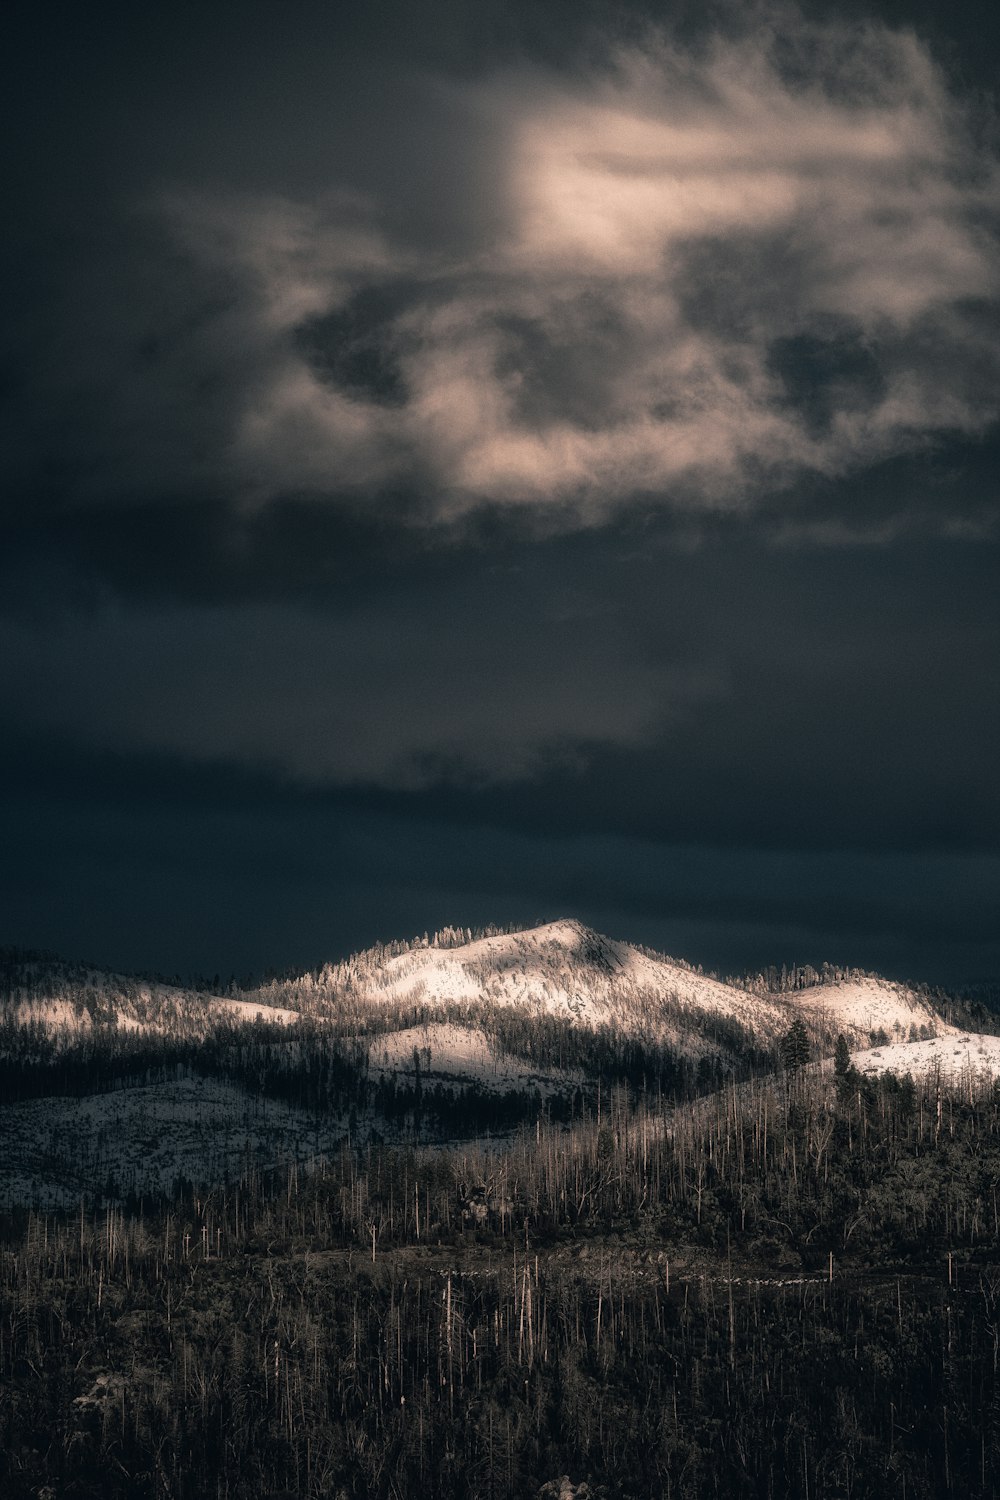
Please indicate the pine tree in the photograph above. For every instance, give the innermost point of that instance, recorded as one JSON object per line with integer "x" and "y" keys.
{"x": 794, "y": 1046}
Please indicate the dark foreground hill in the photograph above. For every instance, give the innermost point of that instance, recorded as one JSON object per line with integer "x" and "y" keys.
{"x": 787, "y": 1289}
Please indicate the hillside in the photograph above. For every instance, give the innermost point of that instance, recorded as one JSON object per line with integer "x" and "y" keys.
{"x": 74, "y": 998}
{"x": 561, "y": 973}
{"x": 566, "y": 971}
{"x": 953, "y": 1055}
{"x": 117, "y": 1084}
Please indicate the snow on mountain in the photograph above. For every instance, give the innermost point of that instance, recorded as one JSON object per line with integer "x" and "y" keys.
{"x": 865, "y": 1005}
{"x": 563, "y": 969}
{"x": 440, "y": 1051}
{"x": 73, "y": 998}
{"x": 560, "y": 970}
{"x": 442, "y": 1034}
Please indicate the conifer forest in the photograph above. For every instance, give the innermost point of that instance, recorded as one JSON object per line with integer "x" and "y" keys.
{"x": 777, "y": 1279}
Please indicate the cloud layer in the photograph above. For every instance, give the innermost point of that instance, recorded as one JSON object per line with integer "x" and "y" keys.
{"x": 804, "y": 697}
{"x": 375, "y": 697}
{"x": 701, "y": 275}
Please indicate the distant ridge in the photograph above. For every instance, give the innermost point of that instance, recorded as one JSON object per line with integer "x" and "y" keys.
{"x": 560, "y": 971}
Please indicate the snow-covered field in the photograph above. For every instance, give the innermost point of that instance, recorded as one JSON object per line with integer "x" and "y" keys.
{"x": 444, "y": 1052}
{"x": 955, "y": 1053}
{"x": 151, "y": 1010}
{"x": 248, "y": 1010}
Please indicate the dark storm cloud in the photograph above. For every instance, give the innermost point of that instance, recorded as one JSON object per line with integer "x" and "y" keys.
{"x": 734, "y": 691}
{"x": 487, "y": 677}
{"x": 185, "y": 872}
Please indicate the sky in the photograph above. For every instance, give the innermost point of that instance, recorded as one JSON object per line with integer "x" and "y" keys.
{"x": 487, "y": 462}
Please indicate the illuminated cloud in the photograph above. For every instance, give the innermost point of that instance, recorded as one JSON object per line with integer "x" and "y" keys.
{"x": 715, "y": 271}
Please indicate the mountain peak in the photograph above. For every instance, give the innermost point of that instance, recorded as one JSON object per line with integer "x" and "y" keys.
{"x": 568, "y": 930}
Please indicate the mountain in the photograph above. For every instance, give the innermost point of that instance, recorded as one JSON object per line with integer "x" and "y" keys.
{"x": 566, "y": 971}
{"x": 74, "y": 998}
{"x": 120, "y": 1085}
{"x": 561, "y": 972}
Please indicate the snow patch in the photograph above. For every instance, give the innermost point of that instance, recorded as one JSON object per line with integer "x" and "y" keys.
{"x": 441, "y": 1050}
{"x": 869, "y": 1004}
{"x": 956, "y": 1054}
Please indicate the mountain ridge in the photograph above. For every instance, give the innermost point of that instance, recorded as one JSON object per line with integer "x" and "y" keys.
{"x": 561, "y": 971}
{"x": 116, "y": 1078}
